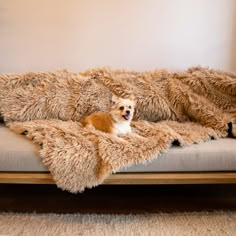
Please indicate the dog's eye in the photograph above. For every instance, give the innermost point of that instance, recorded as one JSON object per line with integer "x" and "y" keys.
{"x": 130, "y": 107}
{"x": 122, "y": 108}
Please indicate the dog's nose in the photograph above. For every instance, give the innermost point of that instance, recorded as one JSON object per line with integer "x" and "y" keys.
{"x": 128, "y": 112}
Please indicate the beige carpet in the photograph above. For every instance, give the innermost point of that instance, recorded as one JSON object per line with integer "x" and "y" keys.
{"x": 203, "y": 223}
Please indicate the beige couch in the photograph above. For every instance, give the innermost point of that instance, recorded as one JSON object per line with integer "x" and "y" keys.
{"x": 210, "y": 162}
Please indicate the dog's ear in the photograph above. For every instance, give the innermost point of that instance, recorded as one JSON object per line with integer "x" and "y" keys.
{"x": 114, "y": 99}
{"x": 132, "y": 98}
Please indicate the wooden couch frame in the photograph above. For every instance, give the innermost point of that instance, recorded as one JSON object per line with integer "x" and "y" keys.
{"x": 129, "y": 178}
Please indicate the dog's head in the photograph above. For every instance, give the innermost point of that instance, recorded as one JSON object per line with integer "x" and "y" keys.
{"x": 122, "y": 109}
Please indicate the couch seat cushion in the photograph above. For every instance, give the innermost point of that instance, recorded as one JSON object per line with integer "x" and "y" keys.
{"x": 19, "y": 154}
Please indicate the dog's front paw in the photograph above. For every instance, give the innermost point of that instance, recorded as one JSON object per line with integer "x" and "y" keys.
{"x": 134, "y": 135}
{"x": 232, "y": 130}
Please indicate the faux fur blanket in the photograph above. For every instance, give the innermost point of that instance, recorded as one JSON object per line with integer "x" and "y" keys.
{"x": 171, "y": 107}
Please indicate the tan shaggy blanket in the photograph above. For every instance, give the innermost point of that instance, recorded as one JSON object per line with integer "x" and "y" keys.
{"x": 189, "y": 107}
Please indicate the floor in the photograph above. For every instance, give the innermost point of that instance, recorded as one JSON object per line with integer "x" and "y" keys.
{"x": 118, "y": 199}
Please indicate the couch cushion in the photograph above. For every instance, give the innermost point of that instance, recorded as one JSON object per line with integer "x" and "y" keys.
{"x": 214, "y": 155}
{"x": 19, "y": 154}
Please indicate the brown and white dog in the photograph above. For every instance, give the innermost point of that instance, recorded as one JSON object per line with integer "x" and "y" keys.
{"x": 116, "y": 121}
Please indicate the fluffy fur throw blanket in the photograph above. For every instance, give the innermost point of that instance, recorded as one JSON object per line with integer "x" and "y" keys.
{"x": 188, "y": 107}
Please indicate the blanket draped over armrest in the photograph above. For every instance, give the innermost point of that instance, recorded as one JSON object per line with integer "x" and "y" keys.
{"x": 185, "y": 107}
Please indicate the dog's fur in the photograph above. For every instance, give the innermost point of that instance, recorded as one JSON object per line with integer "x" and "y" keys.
{"x": 116, "y": 121}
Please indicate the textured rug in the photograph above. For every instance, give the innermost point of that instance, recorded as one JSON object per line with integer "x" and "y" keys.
{"x": 202, "y": 223}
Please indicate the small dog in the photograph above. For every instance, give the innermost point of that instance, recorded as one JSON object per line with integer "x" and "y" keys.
{"x": 116, "y": 121}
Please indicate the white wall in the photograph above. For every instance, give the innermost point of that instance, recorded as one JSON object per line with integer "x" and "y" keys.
{"x": 132, "y": 34}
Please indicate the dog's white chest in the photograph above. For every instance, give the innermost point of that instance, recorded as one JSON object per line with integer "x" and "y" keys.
{"x": 122, "y": 128}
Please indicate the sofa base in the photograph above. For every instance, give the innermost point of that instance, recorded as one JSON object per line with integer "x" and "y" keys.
{"x": 129, "y": 178}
